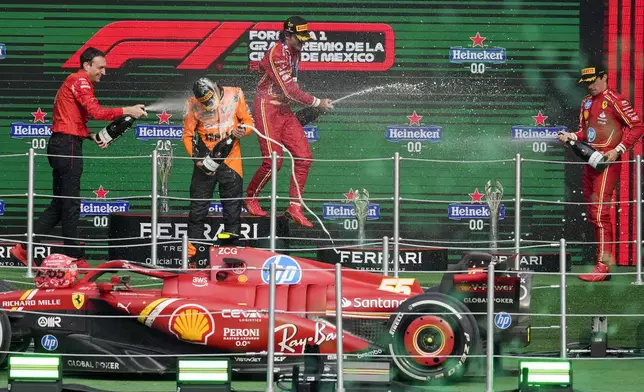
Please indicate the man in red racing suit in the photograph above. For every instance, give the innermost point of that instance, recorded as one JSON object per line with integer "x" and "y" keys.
{"x": 610, "y": 125}
{"x": 74, "y": 104}
{"x": 276, "y": 90}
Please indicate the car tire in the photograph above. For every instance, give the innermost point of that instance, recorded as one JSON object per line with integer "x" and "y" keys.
{"x": 431, "y": 337}
{"x": 5, "y": 338}
{"x": 5, "y": 326}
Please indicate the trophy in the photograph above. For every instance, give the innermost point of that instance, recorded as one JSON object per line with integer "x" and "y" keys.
{"x": 164, "y": 169}
{"x": 361, "y": 201}
{"x": 493, "y": 196}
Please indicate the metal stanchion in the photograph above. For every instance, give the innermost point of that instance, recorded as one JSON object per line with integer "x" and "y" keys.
{"x": 271, "y": 330}
{"x": 517, "y": 212}
{"x": 396, "y": 212}
{"x": 30, "y": 215}
{"x": 184, "y": 251}
{"x": 385, "y": 256}
{"x": 273, "y": 214}
{"x": 154, "y": 217}
{"x": 338, "y": 326}
{"x": 562, "y": 309}
{"x": 490, "y": 329}
{"x": 638, "y": 219}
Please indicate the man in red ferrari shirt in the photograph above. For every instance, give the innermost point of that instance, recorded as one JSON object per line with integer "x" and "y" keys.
{"x": 74, "y": 104}
{"x": 607, "y": 122}
{"x": 276, "y": 91}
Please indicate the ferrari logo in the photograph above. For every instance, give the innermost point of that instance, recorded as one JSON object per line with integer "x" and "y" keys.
{"x": 604, "y": 105}
{"x": 78, "y": 299}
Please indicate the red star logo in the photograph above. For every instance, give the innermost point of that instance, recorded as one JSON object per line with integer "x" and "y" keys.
{"x": 39, "y": 116}
{"x": 350, "y": 196}
{"x": 100, "y": 193}
{"x": 414, "y": 119}
{"x": 540, "y": 119}
{"x": 477, "y": 40}
{"x": 476, "y": 196}
{"x": 164, "y": 118}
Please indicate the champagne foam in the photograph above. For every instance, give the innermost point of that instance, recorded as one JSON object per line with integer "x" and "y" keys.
{"x": 170, "y": 105}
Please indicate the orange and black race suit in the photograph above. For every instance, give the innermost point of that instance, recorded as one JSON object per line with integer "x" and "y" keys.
{"x": 606, "y": 121}
{"x": 202, "y": 130}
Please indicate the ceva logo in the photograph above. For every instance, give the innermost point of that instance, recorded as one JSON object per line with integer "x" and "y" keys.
{"x": 200, "y": 44}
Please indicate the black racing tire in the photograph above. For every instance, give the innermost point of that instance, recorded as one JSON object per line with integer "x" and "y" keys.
{"x": 5, "y": 338}
{"x": 430, "y": 326}
{"x": 5, "y": 326}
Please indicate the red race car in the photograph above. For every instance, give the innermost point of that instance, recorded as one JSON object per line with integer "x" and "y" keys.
{"x": 102, "y": 324}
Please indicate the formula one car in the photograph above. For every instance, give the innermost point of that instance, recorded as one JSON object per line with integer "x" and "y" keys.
{"x": 428, "y": 333}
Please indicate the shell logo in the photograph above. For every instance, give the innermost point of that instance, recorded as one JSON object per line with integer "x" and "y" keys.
{"x": 192, "y": 323}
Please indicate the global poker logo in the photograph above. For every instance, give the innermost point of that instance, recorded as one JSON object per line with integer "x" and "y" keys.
{"x": 102, "y": 208}
{"x": 159, "y": 131}
{"x": 539, "y": 132}
{"x": 336, "y": 210}
{"x": 414, "y": 133}
{"x": 478, "y": 55}
{"x": 473, "y": 210}
{"x": 38, "y": 128}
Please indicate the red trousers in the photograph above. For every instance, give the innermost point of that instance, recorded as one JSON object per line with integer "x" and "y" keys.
{"x": 279, "y": 123}
{"x": 598, "y": 188}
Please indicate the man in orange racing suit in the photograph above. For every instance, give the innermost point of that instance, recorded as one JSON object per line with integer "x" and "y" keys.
{"x": 213, "y": 114}
{"x": 276, "y": 90}
{"x": 610, "y": 125}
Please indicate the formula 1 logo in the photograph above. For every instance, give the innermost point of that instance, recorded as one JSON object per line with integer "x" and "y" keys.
{"x": 199, "y": 45}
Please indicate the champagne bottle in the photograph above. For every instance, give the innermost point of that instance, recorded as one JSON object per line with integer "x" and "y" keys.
{"x": 584, "y": 151}
{"x": 218, "y": 155}
{"x": 307, "y": 115}
{"x": 115, "y": 129}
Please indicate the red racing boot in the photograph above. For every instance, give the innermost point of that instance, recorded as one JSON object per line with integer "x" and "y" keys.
{"x": 253, "y": 207}
{"x": 600, "y": 273}
{"x": 20, "y": 253}
{"x": 294, "y": 211}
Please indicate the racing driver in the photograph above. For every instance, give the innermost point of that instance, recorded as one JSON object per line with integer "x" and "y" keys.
{"x": 212, "y": 115}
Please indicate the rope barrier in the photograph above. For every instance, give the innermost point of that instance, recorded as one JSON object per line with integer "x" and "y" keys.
{"x": 93, "y": 156}
{"x": 566, "y": 162}
{"x": 577, "y": 203}
{"x": 24, "y": 154}
{"x": 91, "y": 198}
{"x": 450, "y": 161}
{"x": 446, "y": 201}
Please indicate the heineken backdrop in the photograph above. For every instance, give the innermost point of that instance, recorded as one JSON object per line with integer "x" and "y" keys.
{"x": 449, "y": 80}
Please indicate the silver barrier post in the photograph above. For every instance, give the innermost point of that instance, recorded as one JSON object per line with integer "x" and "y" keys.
{"x": 338, "y": 326}
{"x": 154, "y": 217}
{"x": 517, "y": 211}
{"x": 271, "y": 330}
{"x": 30, "y": 215}
{"x": 490, "y": 328}
{"x": 184, "y": 251}
{"x": 396, "y": 212}
{"x": 385, "y": 256}
{"x": 273, "y": 216}
{"x": 562, "y": 309}
{"x": 638, "y": 219}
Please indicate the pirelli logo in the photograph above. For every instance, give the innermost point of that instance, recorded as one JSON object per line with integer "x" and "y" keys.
{"x": 588, "y": 71}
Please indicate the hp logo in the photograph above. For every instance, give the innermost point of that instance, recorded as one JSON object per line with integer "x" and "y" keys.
{"x": 49, "y": 342}
{"x": 3, "y": 51}
{"x": 502, "y": 320}
{"x": 287, "y": 270}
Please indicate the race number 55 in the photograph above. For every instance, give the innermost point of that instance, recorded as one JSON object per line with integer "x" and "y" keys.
{"x": 395, "y": 285}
